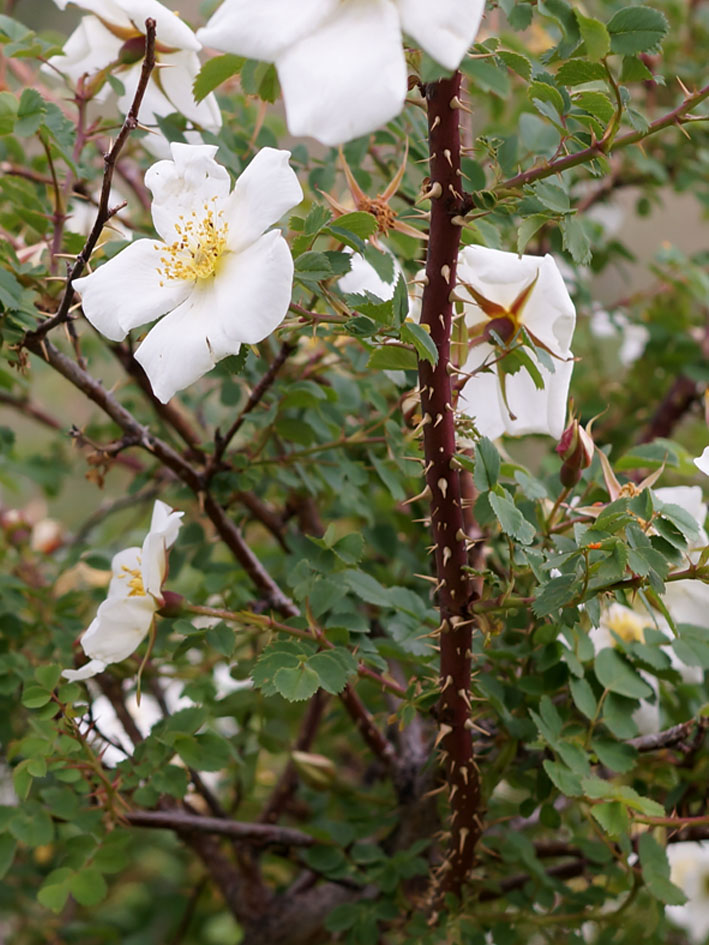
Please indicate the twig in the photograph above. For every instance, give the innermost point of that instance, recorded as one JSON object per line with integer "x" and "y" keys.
{"x": 671, "y": 736}
{"x": 104, "y": 213}
{"x": 222, "y": 442}
{"x": 258, "y": 835}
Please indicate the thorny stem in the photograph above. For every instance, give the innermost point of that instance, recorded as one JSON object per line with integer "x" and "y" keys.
{"x": 104, "y": 212}
{"x": 455, "y": 587}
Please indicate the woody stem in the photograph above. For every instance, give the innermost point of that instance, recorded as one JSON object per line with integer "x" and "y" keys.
{"x": 455, "y": 590}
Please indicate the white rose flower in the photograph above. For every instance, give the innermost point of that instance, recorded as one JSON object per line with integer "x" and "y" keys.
{"x": 702, "y": 462}
{"x": 507, "y": 292}
{"x": 340, "y": 62}
{"x": 113, "y": 38}
{"x": 223, "y": 280}
{"x": 134, "y": 594}
{"x": 689, "y": 869}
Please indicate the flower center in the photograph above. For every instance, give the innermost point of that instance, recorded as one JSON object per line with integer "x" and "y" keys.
{"x": 137, "y": 589}
{"x": 200, "y": 244}
{"x": 381, "y": 211}
{"x": 627, "y": 626}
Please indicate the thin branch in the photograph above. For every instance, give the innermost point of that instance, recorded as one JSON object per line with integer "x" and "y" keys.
{"x": 104, "y": 212}
{"x": 671, "y": 736}
{"x": 258, "y": 835}
{"x": 678, "y": 116}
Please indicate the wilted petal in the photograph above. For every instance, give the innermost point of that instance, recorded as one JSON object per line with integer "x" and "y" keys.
{"x": 129, "y": 290}
{"x": 263, "y": 30}
{"x": 263, "y": 193}
{"x": 184, "y": 184}
{"x": 445, "y": 29}
{"x": 327, "y": 77}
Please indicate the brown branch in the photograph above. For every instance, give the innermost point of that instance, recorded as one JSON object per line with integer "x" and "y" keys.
{"x": 678, "y": 116}
{"x": 670, "y": 736}
{"x": 104, "y": 212}
{"x": 25, "y": 406}
{"x": 257, "y": 835}
{"x": 443, "y": 487}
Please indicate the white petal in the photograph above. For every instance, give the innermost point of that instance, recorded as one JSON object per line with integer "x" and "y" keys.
{"x": 534, "y": 411}
{"x": 92, "y": 668}
{"x": 170, "y": 30}
{"x": 263, "y": 193}
{"x": 549, "y": 312}
{"x": 90, "y": 48}
{"x": 176, "y": 77}
{"x": 265, "y": 29}
{"x": 702, "y": 462}
{"x": 119, "y": 628}
{"x": 109, "y": 10}
{"x": 155, "y": 102}
{"x": 126, "y": 292}
{"x": 363, "y": 277}
{"x": 688, "y": 602}
{"x": 245, "y": 301}
{"x": 165, "y": 522}
{"x": 327, "y": 77}
{"x": 184, "y": 184}
{"x": 125, "y": 566}
{"x": 445, "y": 29}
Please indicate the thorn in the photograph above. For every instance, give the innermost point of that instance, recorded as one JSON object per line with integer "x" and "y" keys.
{"x": 464, "y": 772}
{"x": 463, "y": 834}
{"x": 436, "y": 123}
{"x": 446, "y": 273}
{"x": 442, "y": 732}
{"x": 426, "y": 494}
{"x": 683, "y": 87}
{"x": 433, "y": 792}
{"x": 439, "y": 417}
{"x": 447, "y": 555}
{"x": 434, "y": 192}
{"x": 426, "y": 577}
{"x": 458, "y": 220}
{"x": 442, "y": 484}
{"x": 452, "y": 792}
{"x": 448, "y": 682}
{"x": 460, "y": 535}
{"x": 447, "y": 156}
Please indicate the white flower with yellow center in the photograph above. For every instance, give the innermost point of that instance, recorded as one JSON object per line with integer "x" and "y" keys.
{"x": 505, "y": 293}
{"x": 112, "y": 40}
{"x": 222, "y": 279}
{"x": 134, "y": 594}
{"x": 702, "y": 462}
{"x": 689, "y": 869}
{"x": 340, "y": 62}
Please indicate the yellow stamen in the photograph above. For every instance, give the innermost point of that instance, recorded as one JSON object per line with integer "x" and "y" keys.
{"x": 137, "y": 589}
{"x": 626, "y": 625}
{"x": 200, "y": 244}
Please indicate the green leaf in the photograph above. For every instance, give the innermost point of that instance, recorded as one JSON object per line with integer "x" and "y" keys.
{"x": 594, "y": 35}
{"x": 222, "y": 638}
{"x": 205, "y": 752}
{"x": 412, "y": 333}
{"x": 7, "y": 853}
{"x": 527, "y": 228}
{"x": 517, "y": 63}
{"x": 636, "y": 29}
{"x": 487, "y": 464}
{"x": 562, "y": 779}
{"x": 334, "y": 668}
{"x": 34, "y": 697}
{"x": 54, "y": 892}
{"x": 613, "y": 817}
{"x": 367, "y": 588}
{"x": 576, "y": 240}
{"x": 8, "y": 112}
{"x": 511, "y": 520}
{"x": 313, "y": 267}
{"x": 555, "y": 594}
{"x": 614, "y": 755}
{"x": 615, "y": 674}
{"x": 596, "y": 103}
{"x": 580, "y": 71}
{"x": 297, "y": 683}
{"x": 88, "y": 886}
{"x": 393, "y": 358}
{"x": 48, "y": 676}
{"x": 362, "y": 224}
{"x": 30, "y": 112}
{"x": 618, "y": 716}
{"x": 692, "y": 645}
{"x": 583, "y": 697}
{"x": 596, "y": 788}
{"x": 542, "y": 92}
{"x": 656, "y": 871}
{"x": 487, "y": 76}
{"x": 552, "y": 196}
